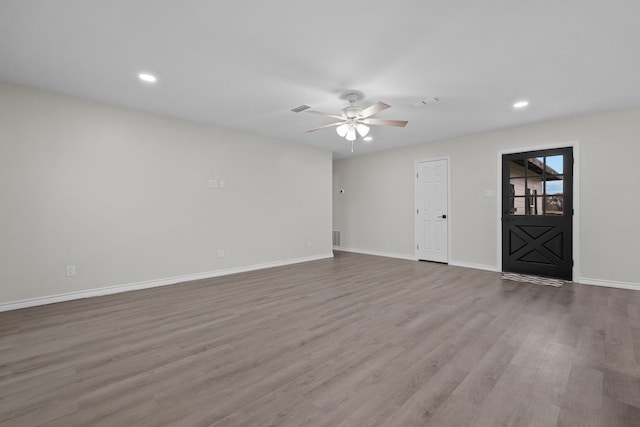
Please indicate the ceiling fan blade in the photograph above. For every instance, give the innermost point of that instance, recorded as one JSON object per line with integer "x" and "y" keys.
{"x": 399, "y": 123}
{"x": 371, "y": 110}
{"x": 325, "y": 126}
{"x": 324, "y": 114}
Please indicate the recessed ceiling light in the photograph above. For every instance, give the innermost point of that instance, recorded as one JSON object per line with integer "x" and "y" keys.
{"x": 367, "y": 138}
{"x": 520, "y": 104}
{"x": 148, "y": 78}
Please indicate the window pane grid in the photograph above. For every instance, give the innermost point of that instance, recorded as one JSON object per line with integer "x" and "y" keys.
{"x": 536, "y": 186}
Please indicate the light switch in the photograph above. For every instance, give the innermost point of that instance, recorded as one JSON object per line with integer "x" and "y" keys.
{"x": 71, "y": 270}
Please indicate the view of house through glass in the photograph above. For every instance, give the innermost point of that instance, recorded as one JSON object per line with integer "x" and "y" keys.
{"x": 536, "y": 186}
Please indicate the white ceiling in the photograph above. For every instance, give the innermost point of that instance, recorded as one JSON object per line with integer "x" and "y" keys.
{"x": 246, "y": 64}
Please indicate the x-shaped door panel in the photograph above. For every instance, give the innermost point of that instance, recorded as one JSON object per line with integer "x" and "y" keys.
{"x": 536, "y": 244}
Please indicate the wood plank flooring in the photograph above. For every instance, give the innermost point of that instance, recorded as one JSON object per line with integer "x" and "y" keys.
{"x": 352, "y": 341}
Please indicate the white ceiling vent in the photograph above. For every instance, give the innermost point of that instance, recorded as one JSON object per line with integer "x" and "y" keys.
{"x": 425, "y": 101}
{"x": 300, "y": 108}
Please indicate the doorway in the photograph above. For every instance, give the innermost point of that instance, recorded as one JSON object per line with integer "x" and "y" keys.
{"x": 537, "y": 213}
{"x": 432, "y": 208}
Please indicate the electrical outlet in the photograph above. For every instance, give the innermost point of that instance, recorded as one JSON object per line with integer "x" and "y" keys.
{"x": 71, "y": 270}
{"x": 220, "y": 253}
{"x": 309, "y": 244}
{"x": 222, "y": 183}
{"x": 213, "y": 183}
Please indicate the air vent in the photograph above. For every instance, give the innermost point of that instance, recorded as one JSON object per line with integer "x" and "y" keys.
{"x": 425, "y": 101}
{"x": 300, "y": 108}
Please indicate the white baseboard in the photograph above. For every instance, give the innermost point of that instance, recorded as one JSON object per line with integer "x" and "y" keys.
{"x": 414, "y": 258}
{"x": 493, "y": 268}
{"x": 15, "y": 305}
{"x": 376, "y": 253}
{"x": 609, "y": 283}
{"x": 474, "y": 266}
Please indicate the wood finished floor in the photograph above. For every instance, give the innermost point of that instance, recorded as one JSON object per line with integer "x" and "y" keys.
{"x": 353, "y": 341}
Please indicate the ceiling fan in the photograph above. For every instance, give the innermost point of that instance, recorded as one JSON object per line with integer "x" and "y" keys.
{"x": 356, "y": 120}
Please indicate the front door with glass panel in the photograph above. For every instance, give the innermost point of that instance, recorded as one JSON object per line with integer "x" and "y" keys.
{"x": 537, "y": 213}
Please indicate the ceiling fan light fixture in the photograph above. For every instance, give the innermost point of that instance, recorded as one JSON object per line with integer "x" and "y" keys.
{"x": 351, "y": 134}
{"x": 354, "y": 121}
{"x": 342, "y": 130}
{"x": 363, "y": 130}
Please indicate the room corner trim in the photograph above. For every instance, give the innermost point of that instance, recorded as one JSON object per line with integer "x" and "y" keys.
{"x": 51, "y": 299}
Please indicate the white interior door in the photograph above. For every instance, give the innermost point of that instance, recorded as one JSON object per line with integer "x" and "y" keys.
{"x": 432, "y": 192}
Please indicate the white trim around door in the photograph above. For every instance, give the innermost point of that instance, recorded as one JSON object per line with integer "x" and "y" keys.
{"x": 449, "y": 216}
{"x": 576, "y": 199}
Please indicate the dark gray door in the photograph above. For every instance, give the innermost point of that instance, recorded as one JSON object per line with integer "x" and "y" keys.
{"x": 537, "y": 213}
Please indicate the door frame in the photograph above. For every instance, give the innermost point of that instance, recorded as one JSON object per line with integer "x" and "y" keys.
{"x": 575, "y": 145}
{"x": 416, "y": 203}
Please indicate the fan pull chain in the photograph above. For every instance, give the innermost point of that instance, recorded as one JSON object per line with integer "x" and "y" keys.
{"x": 352, "y": 146}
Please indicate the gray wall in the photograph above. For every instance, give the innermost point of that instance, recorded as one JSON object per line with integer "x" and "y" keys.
{"x": 124, "y": 196}
{"x": 376, "y": 213}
